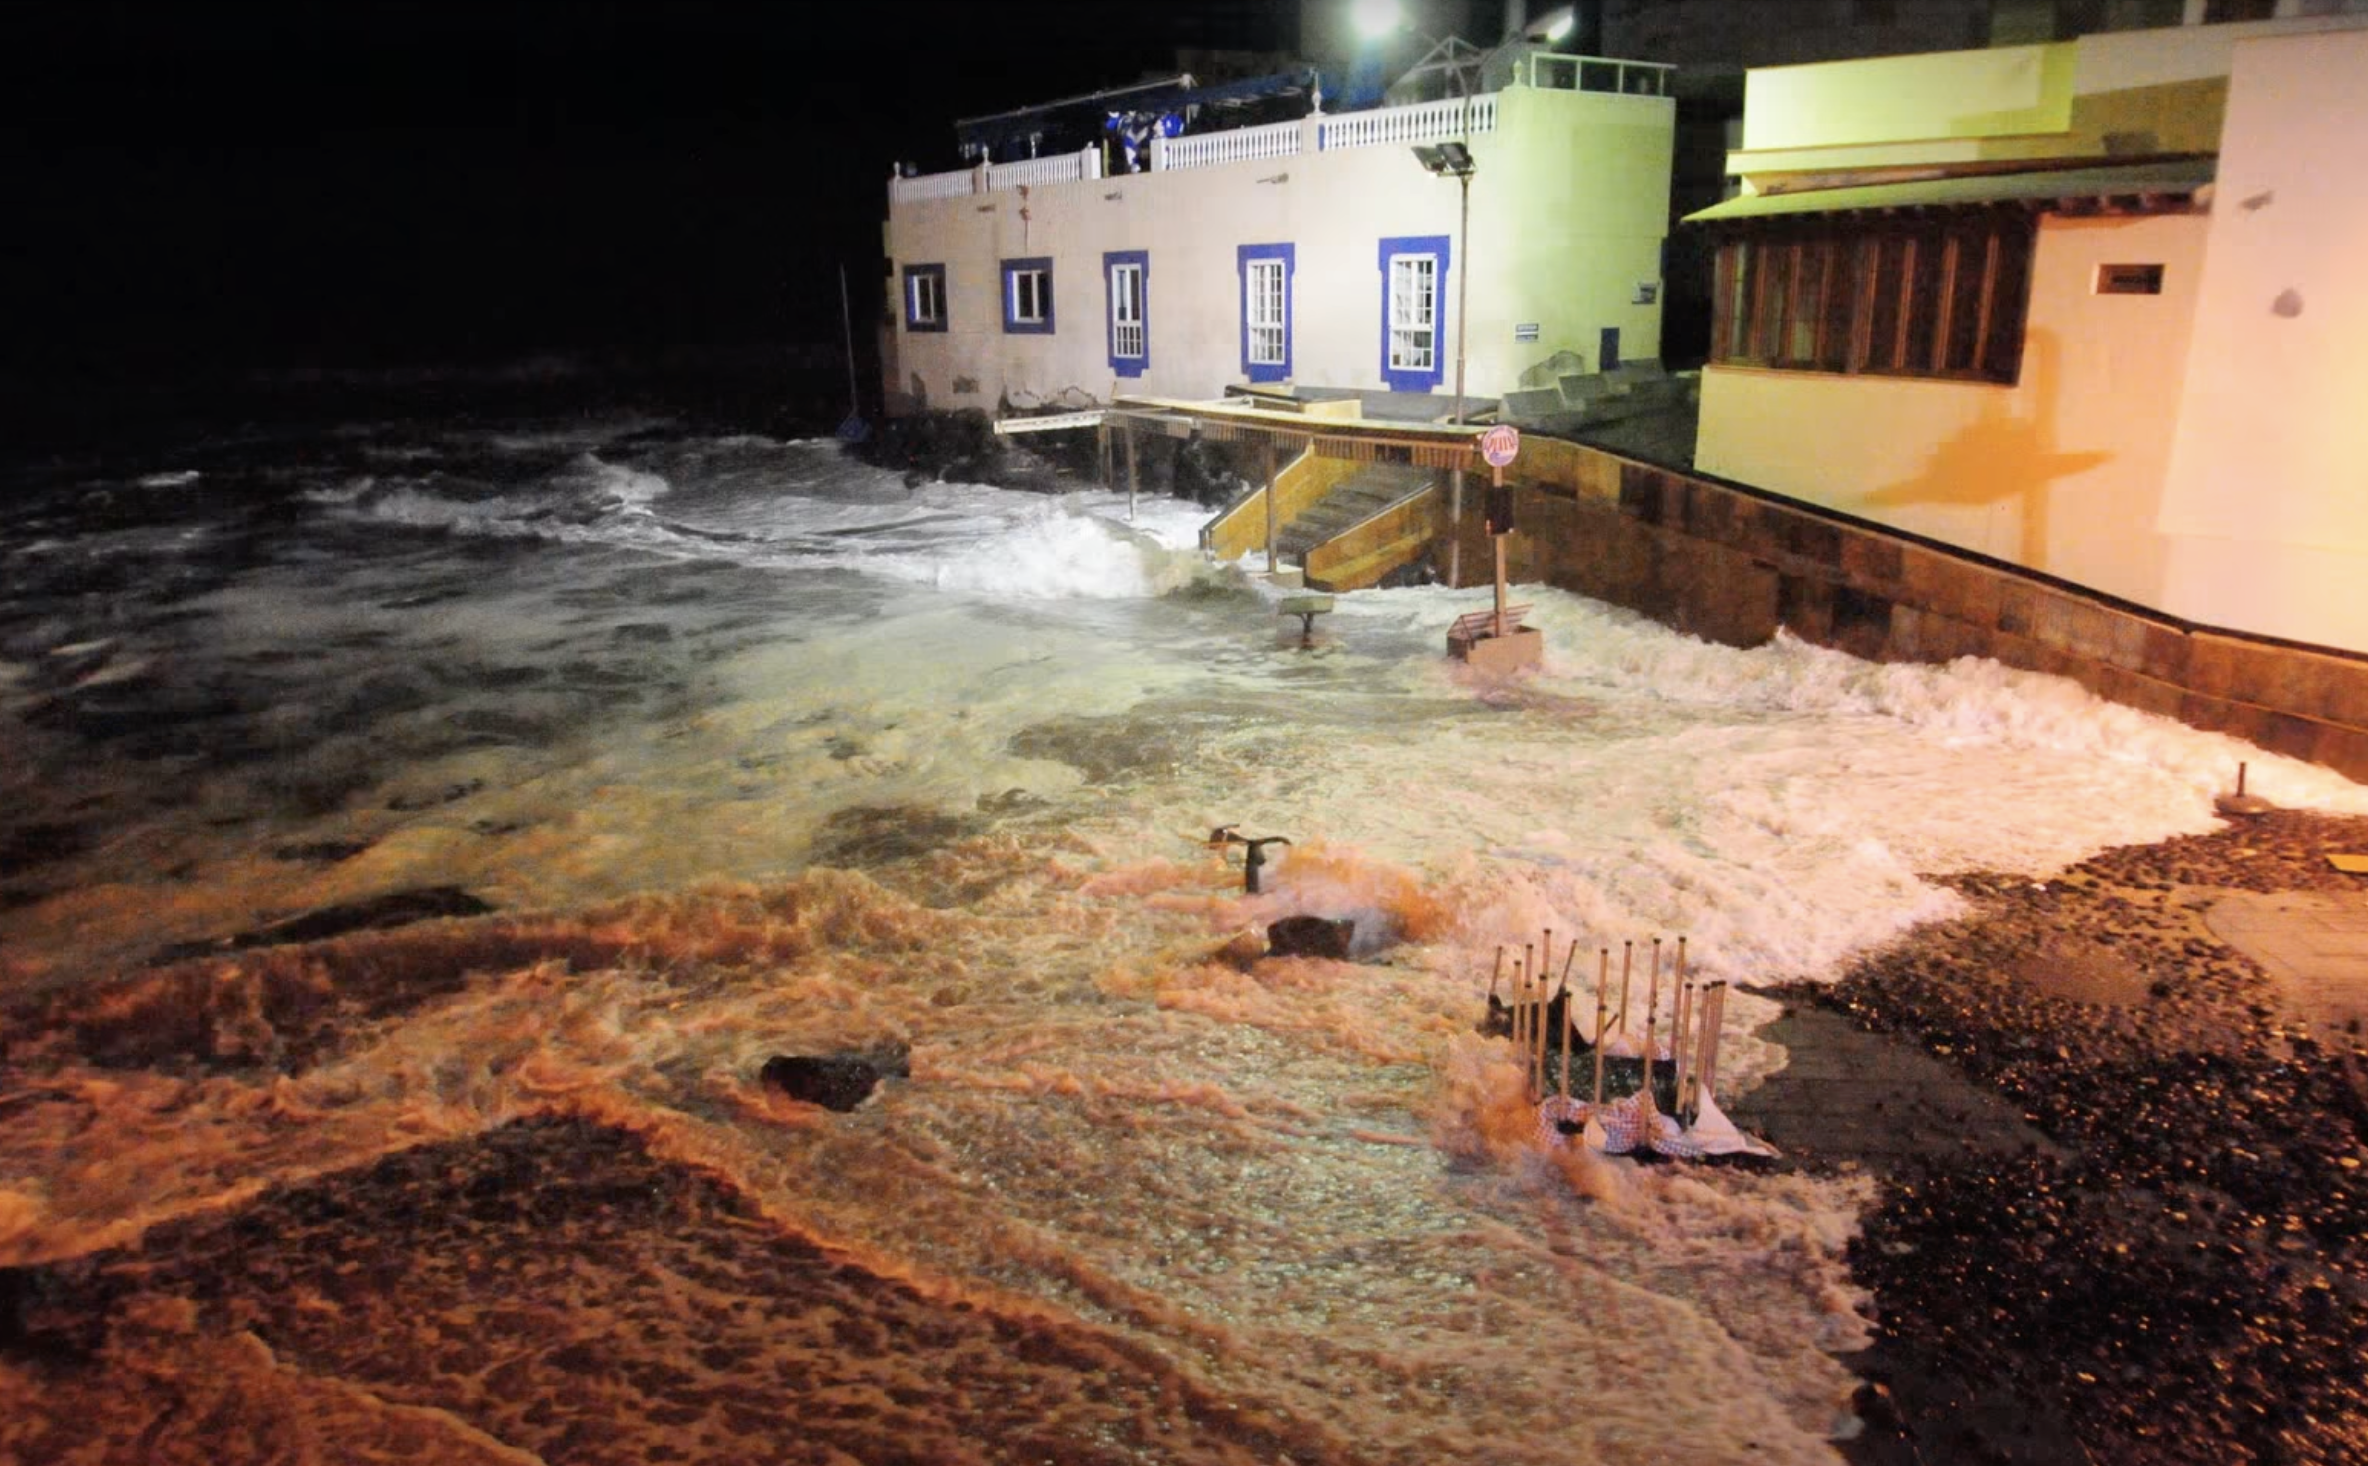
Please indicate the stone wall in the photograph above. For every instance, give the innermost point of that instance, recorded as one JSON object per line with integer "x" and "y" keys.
{"x": 1732, "y": 564}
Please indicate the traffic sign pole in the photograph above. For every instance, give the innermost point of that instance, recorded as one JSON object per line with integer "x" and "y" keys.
{"x": 1499, "y": 445}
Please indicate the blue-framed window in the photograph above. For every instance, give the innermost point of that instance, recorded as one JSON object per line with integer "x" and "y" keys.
{"x": 1027, "y": 296}
{"x": 1413, "y": 312}
{"x": 924, "y": 297}
{"x": 1266, "y": 271}
{"x": 1126, "y": 283}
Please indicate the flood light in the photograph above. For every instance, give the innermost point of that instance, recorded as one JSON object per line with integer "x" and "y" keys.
{"x": 1448, "y": 159}
{"x": 1375, "y": 19}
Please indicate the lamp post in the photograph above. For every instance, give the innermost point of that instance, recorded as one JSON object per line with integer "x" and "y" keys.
{"x": 1445, "y": 160}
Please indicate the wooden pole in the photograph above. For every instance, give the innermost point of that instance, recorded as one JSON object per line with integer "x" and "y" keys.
{"x": 1496, "y": 480}
{"x": 1134, "y": 478}
{"x": 1706, "y": 1077}
{"x": 1570, "y": 1030}
{"x": 1603, "y": 977}
{"x": 1536, "y": 1057}
{"x": 1514, "y": 993}
{"x": 1677, "y": 1027}
{"x": 1455, "y": 529}
{"x": 1270, "y": 503}
{"x": 1627, "y": 957}
{"x": 1652, "y": 1007}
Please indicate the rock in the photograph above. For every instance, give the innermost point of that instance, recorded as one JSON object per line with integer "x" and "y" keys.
{"x": 1310, "y": 936}
{"x": 376, "y": 913}
{"x": 835, "y": 1081}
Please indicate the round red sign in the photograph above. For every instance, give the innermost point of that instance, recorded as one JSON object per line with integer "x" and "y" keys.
{"x": 1500, "y": 444}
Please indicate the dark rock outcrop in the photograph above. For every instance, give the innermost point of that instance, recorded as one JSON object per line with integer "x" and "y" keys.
{"x": 835, "y": 1081}
{"x": 1310, "y": 936}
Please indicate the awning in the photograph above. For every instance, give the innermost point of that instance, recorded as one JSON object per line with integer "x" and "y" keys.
{"x": 2129, "y": 187}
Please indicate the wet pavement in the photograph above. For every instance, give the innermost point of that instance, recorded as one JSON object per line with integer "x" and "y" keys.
{"x": 2119, "y": 1122}
{"x": 2312, "y": 944}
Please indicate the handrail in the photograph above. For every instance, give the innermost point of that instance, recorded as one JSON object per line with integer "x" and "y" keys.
{"x": 934, "y": 186}
{"x": 1421, "y": 123}
{"x": 1241, "y": 144}
{"x": 1059, "y": 168}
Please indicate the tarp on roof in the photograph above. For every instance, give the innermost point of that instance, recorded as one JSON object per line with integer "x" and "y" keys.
{"x": 2178, "y": 179}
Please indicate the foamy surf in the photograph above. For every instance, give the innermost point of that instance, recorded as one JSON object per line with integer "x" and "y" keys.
{"x": 758, "y": 750}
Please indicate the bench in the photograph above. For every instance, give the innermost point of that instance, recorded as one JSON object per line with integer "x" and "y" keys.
{"x": 1475, "y": 626}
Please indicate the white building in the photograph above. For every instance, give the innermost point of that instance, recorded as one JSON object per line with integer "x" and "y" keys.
{"x": 2091, "y": 307}
{"x": 1316, "y": 252}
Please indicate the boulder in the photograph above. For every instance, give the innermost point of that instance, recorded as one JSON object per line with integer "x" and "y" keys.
{"x": 1310, "y": 936}
{"x": 835, "y": 1081}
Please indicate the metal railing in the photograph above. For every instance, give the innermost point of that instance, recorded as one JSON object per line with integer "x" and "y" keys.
{"x": 1550, "y": 73}
{"x": 1421, "y": 123}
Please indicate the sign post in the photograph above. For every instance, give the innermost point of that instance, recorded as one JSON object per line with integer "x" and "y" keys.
{"x": 1495, "y": 641}
{"x": 1500, "y": 445}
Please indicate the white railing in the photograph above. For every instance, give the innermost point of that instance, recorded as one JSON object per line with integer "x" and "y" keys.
{"x": 1550, "y": 73}
{"x": 934, "y": 186}
{"x": 1421, "y": 123}
{"x": 1074, "y": 167}
{"x": 1243, "y": 144}
{"x": 1424, "y": 122}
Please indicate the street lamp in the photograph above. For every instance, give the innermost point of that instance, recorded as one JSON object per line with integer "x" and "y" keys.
{"x": 1454, "y": 160}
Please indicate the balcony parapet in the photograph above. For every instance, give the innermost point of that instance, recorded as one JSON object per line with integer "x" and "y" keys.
{"x": 1422, "y": 122}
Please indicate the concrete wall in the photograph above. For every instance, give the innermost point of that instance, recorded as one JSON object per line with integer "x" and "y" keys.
{"x": 2202, "y": 452}
{"x": 2115, "y": 94}
{"x": 2267, "y": 505}
{"x": 1569, "y": 207}
{"x": 2062, "y": 472}
{"x": 1732, "y": 565}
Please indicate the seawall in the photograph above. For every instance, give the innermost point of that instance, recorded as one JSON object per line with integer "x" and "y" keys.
{"x": 1733, "y": 564}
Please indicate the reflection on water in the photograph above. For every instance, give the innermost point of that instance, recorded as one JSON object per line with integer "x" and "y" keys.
{"x": 753, "y": 751}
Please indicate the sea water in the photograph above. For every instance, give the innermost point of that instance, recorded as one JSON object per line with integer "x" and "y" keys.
{"x": 754, "y": 749}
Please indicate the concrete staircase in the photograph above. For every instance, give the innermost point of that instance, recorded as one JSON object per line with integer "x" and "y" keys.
{"x": 1368, "y": 492}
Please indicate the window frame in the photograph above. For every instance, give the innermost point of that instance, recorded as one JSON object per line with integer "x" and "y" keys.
{"x": 1251, "y": 261}
{"x": 1012, "y": 272}
{"x": 916, "y": 277}
{"x": 1137, "y": 362}
{"x": 1409, "y": 249}
{"x": 1940, "y": 297}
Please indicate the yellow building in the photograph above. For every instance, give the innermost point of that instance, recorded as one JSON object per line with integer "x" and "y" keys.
{"x": 2092, "y": 307}
{"x": 1313, "y": 252}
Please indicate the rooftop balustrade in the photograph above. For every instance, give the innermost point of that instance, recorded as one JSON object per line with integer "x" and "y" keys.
{"x": 1422, "y": 122}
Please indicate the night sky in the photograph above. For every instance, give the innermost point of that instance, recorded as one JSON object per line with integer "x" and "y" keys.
{"x": 357, "y": 183}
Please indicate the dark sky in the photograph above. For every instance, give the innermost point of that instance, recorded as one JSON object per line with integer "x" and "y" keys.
{"x": 357, "y": 181}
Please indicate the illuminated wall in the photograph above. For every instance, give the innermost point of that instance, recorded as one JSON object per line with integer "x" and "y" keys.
{"x": 2061, "y": 472}
{"x": 2197, "y": 451}
{"x": 2267, "y": 507}
{"x": 1569, "y": 208}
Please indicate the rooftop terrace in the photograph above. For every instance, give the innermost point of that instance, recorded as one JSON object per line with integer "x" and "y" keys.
{"x": 1422, "y": 122}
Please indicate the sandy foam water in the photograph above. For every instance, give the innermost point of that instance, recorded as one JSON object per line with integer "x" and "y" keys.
{"x": 763, "y": 750}
{"x": 1247, "y": 1187}
{"x": 797, "y": 505}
